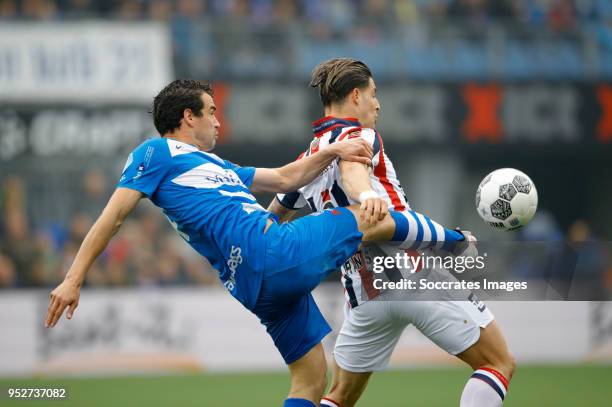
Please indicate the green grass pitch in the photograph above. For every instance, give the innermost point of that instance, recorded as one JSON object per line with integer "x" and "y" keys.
{"x": 541, "y": 386}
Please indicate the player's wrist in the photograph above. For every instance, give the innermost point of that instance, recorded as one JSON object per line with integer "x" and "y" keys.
{"x": 74, "y": 280}
{"x": 333, "y": 150}
{"x": 365, "y": 195}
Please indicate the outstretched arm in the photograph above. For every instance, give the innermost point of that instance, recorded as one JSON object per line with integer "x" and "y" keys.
{"x": 121, "y": 203}
{"x": 301, "y": 172}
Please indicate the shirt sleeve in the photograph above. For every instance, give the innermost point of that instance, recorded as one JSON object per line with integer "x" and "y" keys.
{"x": 245, "y": 174}
{"x": 144, "y": 169}
{"x": 293, "y": 200}
{"x": 369, "y": 135}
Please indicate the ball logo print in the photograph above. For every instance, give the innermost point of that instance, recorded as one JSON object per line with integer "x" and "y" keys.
{"x": 506, "y": 199}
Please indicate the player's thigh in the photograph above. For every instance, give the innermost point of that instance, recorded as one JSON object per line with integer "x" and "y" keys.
{"x": 296, "y": 326}
{"x": 301, "y": 253}
{"x": 454, "y": 326}
{"x": 368, "y": 337}
{"x": 490, "y": 350}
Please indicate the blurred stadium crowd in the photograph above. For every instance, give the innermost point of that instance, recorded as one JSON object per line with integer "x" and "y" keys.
{"x": 559, "y": 14}
{"x": 272, "y": 38}
{"x": 146, "y": 251}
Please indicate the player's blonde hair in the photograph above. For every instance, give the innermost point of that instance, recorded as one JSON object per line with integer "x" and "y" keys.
{"x": 337, "y": 77}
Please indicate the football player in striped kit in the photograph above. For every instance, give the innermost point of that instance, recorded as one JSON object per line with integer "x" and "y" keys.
{"x": 371, "y": 329}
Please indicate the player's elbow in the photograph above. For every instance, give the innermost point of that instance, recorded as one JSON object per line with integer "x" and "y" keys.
{"x": 117, "y": 225}
{"x": 109, "y": 222}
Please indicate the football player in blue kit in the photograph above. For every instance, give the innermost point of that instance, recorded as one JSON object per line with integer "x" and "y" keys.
{"x": 269, "y": 267}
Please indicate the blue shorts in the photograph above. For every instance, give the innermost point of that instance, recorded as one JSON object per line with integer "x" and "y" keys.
{"x": 299, "y": 255}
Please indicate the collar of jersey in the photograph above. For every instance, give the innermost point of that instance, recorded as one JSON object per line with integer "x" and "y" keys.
{"x": 194, "y": 149}
{"x": 190, "y": 147}
{"x": 325, "y": 124}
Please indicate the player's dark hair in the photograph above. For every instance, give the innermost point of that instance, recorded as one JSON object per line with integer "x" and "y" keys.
{"x": 337, "y": 77}
{"x": 170, "y": 103}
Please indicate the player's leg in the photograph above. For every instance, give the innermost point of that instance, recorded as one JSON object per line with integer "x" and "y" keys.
{"x": 297, "y": 327}
{"x": 301, "y": 253}
{"x": 308, "y": 378}
{"x": 493, "y": 368}
{"x": 412, "y": 230}
{"x": 490, "y": 351}
{"x": 468, "y": 330}
{"x": 347, "y": 387}
{"x": 364, "y": 345}
{"x": 298, "y": 256}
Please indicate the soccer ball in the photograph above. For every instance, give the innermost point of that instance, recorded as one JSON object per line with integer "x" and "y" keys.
{"x": 506, "y": 199}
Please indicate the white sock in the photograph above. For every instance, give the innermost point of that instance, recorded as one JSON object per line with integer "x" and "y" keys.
{"x": 486, "y": 388}
{"x": 329, "y": 403}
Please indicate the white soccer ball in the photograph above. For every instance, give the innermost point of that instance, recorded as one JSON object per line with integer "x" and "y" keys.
{"x": 506, "y": 199}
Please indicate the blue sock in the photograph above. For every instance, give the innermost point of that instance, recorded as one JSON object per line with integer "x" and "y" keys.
{"x": 417, "y": 231}
{"x": 292, "y": 402}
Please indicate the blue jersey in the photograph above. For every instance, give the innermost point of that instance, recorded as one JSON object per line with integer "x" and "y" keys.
{"x": 208, "y": 201}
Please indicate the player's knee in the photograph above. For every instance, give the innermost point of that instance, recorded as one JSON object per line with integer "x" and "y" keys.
{"x": 381, "y": 231}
